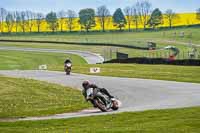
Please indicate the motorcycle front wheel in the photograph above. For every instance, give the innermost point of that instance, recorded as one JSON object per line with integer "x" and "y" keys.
{"x": 115, "y": 105}
{"x": 68, "y": 73}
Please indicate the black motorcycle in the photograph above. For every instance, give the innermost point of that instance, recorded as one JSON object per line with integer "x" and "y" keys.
{"x": 68, "y": 68}
{"x": 101, "y": 101}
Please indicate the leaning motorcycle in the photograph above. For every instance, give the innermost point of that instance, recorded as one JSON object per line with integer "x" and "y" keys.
{"x": 68, "y": 68}
{"x": 101, "y": 101}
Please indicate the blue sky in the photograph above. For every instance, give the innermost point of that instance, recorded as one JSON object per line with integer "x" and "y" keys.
{"x": 56, "y": 5}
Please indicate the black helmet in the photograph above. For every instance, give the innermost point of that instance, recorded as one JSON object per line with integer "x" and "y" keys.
{"x": 85, "y": 83}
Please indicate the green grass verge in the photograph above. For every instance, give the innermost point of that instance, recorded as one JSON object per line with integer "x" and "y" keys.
{"x": 31, "y": 60}
{"x": 23, "y": 97}
{"x": 186, "y": 120}
{"x": 160, "y": 72}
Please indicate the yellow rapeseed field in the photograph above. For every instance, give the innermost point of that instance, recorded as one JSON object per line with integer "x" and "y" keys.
{"x": 183, "y": 19}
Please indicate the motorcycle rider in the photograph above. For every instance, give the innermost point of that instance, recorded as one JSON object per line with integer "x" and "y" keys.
{"x": 67, "y": 61}
{"x": 86, "y": 85}
{"x": 67, "y": 66}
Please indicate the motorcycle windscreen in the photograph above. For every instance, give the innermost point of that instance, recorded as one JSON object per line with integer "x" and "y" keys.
{"x": 68, "y": 64}
{"x": 89, "y": 92}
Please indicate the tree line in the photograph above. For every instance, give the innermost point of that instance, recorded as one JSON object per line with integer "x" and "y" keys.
{"x": 140, "y": 13}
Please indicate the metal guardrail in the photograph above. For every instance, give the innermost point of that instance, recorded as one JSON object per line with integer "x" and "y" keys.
{"x": 78, "y": 43}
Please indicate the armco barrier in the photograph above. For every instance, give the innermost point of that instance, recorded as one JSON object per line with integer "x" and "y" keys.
{"x": 186, "y": 62}
{"x": 78, "y": 43}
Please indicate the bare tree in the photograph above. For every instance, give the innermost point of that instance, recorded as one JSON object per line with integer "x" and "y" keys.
{"x": 129, "y": 16}
{"x": 23, "y": 21}
{"x": 14, "y": 17}
{"x": 198, "y": 14}
{"x": 30, "y": 16}
{"x": 136, "y": 18}
{"x": 3, "y": 14}
{"x": 144, "y": 10}
{"x": 170, "y": 16}
{"x": 103, "y": 16}
{"x": 9, "y": 21}
{"x": 39, "y": 20}
{"x": 61, "y": 15}
{"x": 17, "y": 19}
{"x": 70, "y": 19}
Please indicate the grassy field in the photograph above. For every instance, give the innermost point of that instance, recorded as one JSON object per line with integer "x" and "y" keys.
{"x": 31, "y": 60}
{"x": 163, "y": 72}
{"x": 162, "y": 38}
{"x": 131, "y": 38}
{"x": 11, "y": 60}
{"x": 103, "y": 50}
{"x": 185, "y": 120}
{"x": 23, "y": 97}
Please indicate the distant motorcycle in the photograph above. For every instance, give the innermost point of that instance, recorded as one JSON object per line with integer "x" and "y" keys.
{"x": 101, "y": 101}
{"x": 68, "y": 68}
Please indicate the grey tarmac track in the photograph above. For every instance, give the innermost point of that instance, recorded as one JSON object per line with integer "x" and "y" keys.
{"x": 91, "y": 58}
{"x": 135, "y": 94}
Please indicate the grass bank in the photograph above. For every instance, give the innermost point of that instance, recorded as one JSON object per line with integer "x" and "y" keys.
{"x": 160, "y": 72}
{"x": 25, "y": 97}
{"x": 186, "y": 120}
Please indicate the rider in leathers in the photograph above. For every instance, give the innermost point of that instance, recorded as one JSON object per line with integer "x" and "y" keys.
{"x": 86, "y": 85}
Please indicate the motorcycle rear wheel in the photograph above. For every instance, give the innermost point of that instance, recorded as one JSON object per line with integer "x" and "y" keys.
{"x": 100, "y": 104}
